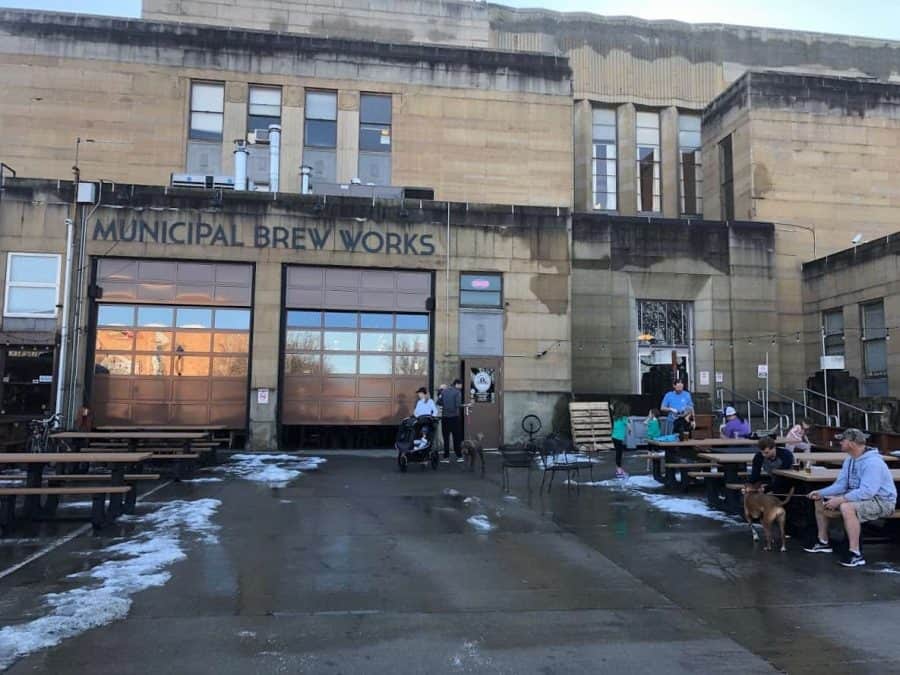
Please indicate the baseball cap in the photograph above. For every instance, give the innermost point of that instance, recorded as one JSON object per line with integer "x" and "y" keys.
{"x": 853, "y": 435}
{"x": 730, "y": 411}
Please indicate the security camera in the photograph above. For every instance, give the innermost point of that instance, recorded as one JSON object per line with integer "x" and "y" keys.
{"x": 856, "y": 240}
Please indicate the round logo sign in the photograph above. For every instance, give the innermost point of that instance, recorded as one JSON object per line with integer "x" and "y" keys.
{"x": 482, "y": 382}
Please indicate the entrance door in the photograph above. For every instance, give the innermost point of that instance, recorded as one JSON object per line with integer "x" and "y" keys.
{"x": 484, "y": 391}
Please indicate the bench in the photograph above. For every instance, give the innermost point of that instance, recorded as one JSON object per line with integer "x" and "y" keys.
{"x": 713, "y": 474}
{"x": 185, "y": 462}
{"x": 97, "y": 493}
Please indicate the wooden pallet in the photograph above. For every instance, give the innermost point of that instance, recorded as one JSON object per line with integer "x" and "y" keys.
{"x": 591, "y": 425}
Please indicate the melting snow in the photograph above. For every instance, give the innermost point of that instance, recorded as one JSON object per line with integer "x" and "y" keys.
{"x": 885, "y": 568}
{"x": 480, "y": 523}
{"x": 450, "y": 492}
{"x": 471, "y": 500}
{"x": 273, "y": 470}
{"x": 203, "y": 480}
{"x": 578, "y": 458}
{"x": 134, "y": 565}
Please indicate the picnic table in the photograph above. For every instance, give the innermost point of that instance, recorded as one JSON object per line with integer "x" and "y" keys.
{"x": 185, "y": 460}
{"x": 678, "y": 455}
{"x": 33, "y": 490}
{"x": 166, "y": 427}
{"x": 820, "y": 475}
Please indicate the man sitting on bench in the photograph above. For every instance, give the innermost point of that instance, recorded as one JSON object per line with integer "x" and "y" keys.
{"x": 863, "y": 491}
{"x": 765, "y": 461}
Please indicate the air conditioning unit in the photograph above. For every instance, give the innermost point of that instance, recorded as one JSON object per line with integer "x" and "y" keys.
{"x": 192, "y": 180}
{"x": 258, "y": 136}
{"x": 223, "y": 183}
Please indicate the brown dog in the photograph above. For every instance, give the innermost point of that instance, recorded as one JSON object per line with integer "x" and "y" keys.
{"x": 471, "y": 451}
{"x": 768, "y": 509}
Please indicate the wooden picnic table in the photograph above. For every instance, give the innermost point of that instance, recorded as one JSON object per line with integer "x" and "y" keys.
{"x": 820, "y": 475}
{"x": 36, "y": 462}
{"x": 166, "y": 427}
{"x": 134, "y": 438}
{"x": 680, "y": 452}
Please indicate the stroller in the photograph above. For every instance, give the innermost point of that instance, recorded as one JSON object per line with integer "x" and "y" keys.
{"x": 409, "y": 432}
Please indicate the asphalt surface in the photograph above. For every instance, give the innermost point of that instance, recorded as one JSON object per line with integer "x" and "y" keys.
{"x": 356, "y": 568}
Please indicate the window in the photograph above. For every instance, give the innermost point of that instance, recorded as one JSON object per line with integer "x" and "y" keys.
{"x": 26, "y": 387}
{"x": 32, "y": 285}
{"x": 648, "y": 162}
{"x": 604, "y": 160}
{"x": 320, "y": 135}
{"x": 874, "y": 338}
{"x": 664, "y": 322}
{"x": 375, "y": 139}
{"x": 480, "y": 290}
{"x": 691, "y": 167}
{"x": 726, "y": 178}
{"x": 204, "y": 151}
{"x": 264, "y": 108}
{"x": 833, "y": 328}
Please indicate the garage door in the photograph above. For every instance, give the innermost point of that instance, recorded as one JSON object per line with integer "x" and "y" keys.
{"x": 356, "y": 345}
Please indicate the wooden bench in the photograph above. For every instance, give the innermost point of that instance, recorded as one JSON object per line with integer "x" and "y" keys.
{"x": 689, "y": 465}
{"x": 98, "y": 495}
{"x": 185, "y": 463}
{"x": 713, "y": 474}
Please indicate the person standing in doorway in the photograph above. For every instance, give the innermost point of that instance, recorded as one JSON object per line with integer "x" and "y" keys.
{"x": 450, "y": 400}
{"x": 676, "y": 404}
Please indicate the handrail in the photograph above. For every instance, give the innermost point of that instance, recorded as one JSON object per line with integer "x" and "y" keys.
{"x": 784, "y": 421}
{"x": 795, "y": 402}
{"x": 838, "y": 404}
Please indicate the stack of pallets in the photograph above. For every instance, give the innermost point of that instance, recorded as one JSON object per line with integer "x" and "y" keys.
{"x": 591, "y": 426}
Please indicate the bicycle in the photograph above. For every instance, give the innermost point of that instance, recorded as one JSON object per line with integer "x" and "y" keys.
{"x": 39, "y": 433}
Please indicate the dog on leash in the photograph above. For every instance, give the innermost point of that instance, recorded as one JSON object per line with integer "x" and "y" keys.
{"x": 473, "y": 450}
{"x": 769, "y": 510}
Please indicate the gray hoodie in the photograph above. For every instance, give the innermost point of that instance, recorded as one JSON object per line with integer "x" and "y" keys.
{"x": 863, "y": 478}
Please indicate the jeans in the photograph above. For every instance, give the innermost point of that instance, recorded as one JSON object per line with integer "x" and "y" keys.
{"x": 452, "y": 425}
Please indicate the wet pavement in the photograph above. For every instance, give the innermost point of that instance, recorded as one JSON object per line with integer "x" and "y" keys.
{"x": 355, "y": 568}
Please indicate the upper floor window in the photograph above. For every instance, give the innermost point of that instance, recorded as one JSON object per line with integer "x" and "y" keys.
{"x": 874, "y": 337}
{"x": 375, "y": 138}
{"x": 263, "y": 109}
{"x": 32, "y": 285}
{"x": 691, "y": 168}
{"x": 726, "y": 178}
{"x": 833, "y": 329}
{"x": 649, "y": 192}
{"x": 320, "y": 134}
{"x": 664, "y": 322}
{"x": 480, "y": 290}
{"x": 605, "y": 172}
{"x": 204, "y": 151}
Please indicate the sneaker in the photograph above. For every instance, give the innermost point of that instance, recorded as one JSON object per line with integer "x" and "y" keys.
{"x": 460, "y": 460}
{"x": 852, "y": 559}
{"x": 620, "y": 473}
{"x": 819, "y": 547}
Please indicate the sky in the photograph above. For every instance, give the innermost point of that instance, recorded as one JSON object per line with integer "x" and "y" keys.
{"x": 870, "y": 18}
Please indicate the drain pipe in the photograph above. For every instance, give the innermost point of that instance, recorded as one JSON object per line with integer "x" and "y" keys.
{"x": 447, "y": 285}
{"x": 64, "y": 329}
{"x": 305, "y": 173}
{"x": 274, "y": 156}
{"x": 240, "y": 165}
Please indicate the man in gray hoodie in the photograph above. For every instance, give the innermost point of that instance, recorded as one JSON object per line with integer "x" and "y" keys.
{"x": 864, "y": 490}
{"x": 450, "y": 400}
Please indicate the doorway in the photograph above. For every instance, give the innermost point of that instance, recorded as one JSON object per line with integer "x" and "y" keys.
{"x": 484, "y": 392}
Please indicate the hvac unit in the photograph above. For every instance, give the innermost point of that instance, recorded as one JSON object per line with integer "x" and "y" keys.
{"x": 258, "y": 136}
{"x": 223, "y": 183}
{"x": 191, "y": 180}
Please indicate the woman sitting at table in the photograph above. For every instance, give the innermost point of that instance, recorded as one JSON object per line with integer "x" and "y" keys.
{"x": 734, "y": 426}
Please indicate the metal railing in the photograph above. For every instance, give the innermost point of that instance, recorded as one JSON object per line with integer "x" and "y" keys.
{"x": 784, "y": 421}
{"x": 807, "y": 409}
{"x": 838, "y": 405}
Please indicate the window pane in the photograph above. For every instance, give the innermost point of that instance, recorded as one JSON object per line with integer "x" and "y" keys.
{"x": 339, "y": 364}
{"x": 155, "y": 316}
{"x": 302, "y": 364}
{"x": 606, "y": 116}
{"x": 193, "y": 318}
{"x": 229, "y": 366}
{"x": 412, "y": 322}
{"x": 151, "y": 364}
{"x": 121, "y": 340}
{"x": 410, "y": 365}
{"x": 192, "y": 366}
{"x": 648, "y": 119}
{"x": 340, "y": 341}
{"x": 374, "y": 109}
{"x": 153, "y": 341}
{"x": 265, "y": 101}
{"x": 112, "y": 364}
{"x": 304, "y": 319}
{"x": 233, "y": 319}
{"x": 192, "y": 342}
{"x": 321, "y": 105}
{"x": 374, "y": 138}
{"x": 480, "y": 282}
{"x": 833, "y": 322}
{"x": 115, "y": 315}
{"x": 876, "y": 357}
{"x": 208, "y": 97}
{"x": 688, "y": 122}
{"x": 412, "y": 342}
{"x": 374, "y": 365}
{"x": 322, "y": 162}
{"x": 305, "y": 340}
{"x": 376, "y": 342}
{"x": 206, "y": 126}
{"x": 340, "y": 319}
{"x": 479, "y": 298}
{"x": 648, "y": 137}
{"x": 376, "y": 321}
{"x": 231, "y": 342}
{"x": 375, "y": 168}
{"x": 873, "y": 320}
{"x": 255, "y": 122}
{"x": 33, "y": 269}
{"x": 320, "y": 134}
{"x": 22, "y": 300}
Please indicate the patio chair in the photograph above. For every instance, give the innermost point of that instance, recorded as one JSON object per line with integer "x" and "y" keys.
{"x": 559, "y": 454}
{"x": 517, "y": 456}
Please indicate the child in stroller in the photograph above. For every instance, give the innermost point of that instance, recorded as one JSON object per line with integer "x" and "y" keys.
{"x": 415, "y": 442}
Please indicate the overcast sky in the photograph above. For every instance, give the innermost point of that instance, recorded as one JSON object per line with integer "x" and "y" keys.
{"x": 872, "y": 18}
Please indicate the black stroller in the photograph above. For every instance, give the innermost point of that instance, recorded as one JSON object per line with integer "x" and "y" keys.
{"x": 412, "y": 446}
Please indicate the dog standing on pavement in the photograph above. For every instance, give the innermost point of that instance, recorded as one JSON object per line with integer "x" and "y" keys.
{"x": 472, "y": 450}
{"x": 769, "y": 510}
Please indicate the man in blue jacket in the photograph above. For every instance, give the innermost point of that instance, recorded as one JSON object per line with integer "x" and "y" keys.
{"x": 864, "y": 490}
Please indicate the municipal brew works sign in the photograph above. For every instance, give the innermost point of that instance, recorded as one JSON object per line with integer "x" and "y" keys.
{"x": 188, "y": 233}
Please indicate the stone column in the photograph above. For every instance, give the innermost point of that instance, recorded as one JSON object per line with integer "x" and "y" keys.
{"x": 583, "y": 132}
{"x": 291, "y": 138}
{"x": 627, "y": 153}
{"x": 347, "y": 136}
{"x": 265, "y": 357}
{"x": 234, "y": 124}
{"x": 668, "y": 128}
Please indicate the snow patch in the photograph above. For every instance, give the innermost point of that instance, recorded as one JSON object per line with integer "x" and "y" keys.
{"x": 134, "y": 565}
{"x": 511, "y": 498}
{"x": 469, "y": 657}
{"x": 471, "y": 500}
{"x": 480, "y": 523}
{"x": 885, "y": 568}
{"x": 570, "y": 458}
{"x": 275, "y": 470}
{"x": 204, "y": 480}
{"x": 247, "y": 634}
{"x": 450, "y": 492}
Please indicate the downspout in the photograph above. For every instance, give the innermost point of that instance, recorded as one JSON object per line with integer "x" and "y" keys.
{"x": 64, "y": 328}
{"x": 274, "y": 156}
{"x": 447, "y": 286}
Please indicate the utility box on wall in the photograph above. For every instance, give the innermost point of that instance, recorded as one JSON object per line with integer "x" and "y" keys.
{"x": 481, "y": 333}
